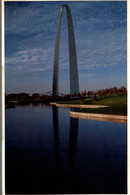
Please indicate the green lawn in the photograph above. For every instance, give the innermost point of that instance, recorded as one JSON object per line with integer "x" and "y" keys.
{"x": 86, "y": 101}
{"x": 112, "y": 100}
{"x": 117, "y": 104}
{"x": 115, "y": 110}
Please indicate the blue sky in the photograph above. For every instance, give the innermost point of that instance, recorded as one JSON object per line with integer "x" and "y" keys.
{"x": 30, "y": 32}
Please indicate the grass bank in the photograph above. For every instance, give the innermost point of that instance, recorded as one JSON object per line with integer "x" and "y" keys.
{"x": 117, "y": 105}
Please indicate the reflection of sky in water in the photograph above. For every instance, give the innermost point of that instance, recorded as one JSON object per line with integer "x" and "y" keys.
{"x": 49, "y": 152}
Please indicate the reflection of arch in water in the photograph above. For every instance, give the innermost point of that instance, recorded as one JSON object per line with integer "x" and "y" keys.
{"x": 74, "y": 83}
{"x": 73, "y": 143}
{"x": 72, "y": 140}
{"x": 56, "y": 135}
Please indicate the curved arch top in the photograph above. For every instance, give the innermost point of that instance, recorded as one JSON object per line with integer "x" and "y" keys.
{"x": 74, "y": 83}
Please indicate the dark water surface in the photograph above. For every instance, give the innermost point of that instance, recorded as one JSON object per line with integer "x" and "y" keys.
{"x": 49, "y": 152}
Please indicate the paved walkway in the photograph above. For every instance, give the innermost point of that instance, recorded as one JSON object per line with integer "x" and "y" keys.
{"x": 77, "y": 105}
{"x": 102, "y": 117}
{"x": 92, "y": 116}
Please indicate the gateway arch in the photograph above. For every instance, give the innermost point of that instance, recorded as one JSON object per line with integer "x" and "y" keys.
{"x": 74, "y": 82}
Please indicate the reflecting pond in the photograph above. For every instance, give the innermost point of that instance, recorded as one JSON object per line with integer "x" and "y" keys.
{"x": 49, "y": 152}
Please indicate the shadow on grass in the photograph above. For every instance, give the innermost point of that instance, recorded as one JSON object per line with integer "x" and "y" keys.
{"x": 115, "y": 110}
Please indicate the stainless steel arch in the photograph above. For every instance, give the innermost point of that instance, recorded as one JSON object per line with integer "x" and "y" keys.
{"x": 74, "y": 83}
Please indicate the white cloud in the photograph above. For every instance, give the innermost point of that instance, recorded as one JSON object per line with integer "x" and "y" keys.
{"x": 37, "y": 59}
